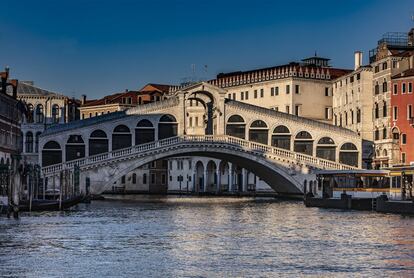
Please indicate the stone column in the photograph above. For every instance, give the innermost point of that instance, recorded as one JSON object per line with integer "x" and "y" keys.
{"x": 194, "y": 182}
{"x": 231, "y": 177}
{"x": 245, "y": 176}
{"x": 218, "y": 187}
{"x": 205, "y": 180}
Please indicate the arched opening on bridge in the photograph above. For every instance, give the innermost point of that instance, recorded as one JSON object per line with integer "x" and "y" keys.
{"x": 281, "y": 137}
{"x": 211, "y": 176}
{"x": 121, "y": 138}
{"x": 348, "y": 154}
{"x": 51, "y": 154}
{"x": 236, "y": 127}
{"x": 326, "y": 149}
{"x": 167, "y": 127}
{"x": 199, "y": 177}
{"x": 98, "y": 142}
{"x": 29, "y": 142}
{"x": 224, "y": 176}
{"x": 303, "y": 143}
{"x": 258, "y": 132}
{"x": 209, "y": 120}
{"x": 75, "y": 147}
{"x": 144, "y": 132}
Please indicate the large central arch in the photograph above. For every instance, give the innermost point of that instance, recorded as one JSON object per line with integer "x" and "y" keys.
{"x": 276, "y": 174}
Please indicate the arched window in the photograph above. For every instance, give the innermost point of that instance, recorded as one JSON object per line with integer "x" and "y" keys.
{"x": 236, "y": 127}
{"x": 358, "y": 116}
{"x": 55, "y": 113}
{"x": 348, "y": 154}
{"x": 144, "y": 132}
{"x": 384, "y": 109}
{"x": 281, "y": 137}
{"x": 304, "y": 143}
{"x": 37, "y": 141}
{"x": 395, "y": 134}
{"x": 75, "y": 147}
{"x": 384, "y": 86}
{"x": 326, "y": 149}
{"x": 384, "y": 153}
{"x": 98, "y": 142}
{"x": 39, "y": 113}
{"x": 30, "y": 112}
{"x": 121, "y": 138}
{"x": 258, "y": 132}
{"x": 167, "y": 127}
{"x": 144, "y": 178}
{"x": 134, "y": 178}
{"x": 51, "y": 154}
{"x": 29, "y": 142}
{"x": 376, "y": 109}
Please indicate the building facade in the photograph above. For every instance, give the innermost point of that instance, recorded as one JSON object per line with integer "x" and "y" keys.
{"x": 389, "y": 58}
{"x": 352, "y": 105}
{"x": 402, "y": 118}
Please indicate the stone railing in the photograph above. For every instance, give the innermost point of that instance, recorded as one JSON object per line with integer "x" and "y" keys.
{"x": 153, "y": 106}
{"x": 218, "y": 141}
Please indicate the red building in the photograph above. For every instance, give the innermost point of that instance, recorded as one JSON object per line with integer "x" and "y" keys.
{"x": 402, "y": 117}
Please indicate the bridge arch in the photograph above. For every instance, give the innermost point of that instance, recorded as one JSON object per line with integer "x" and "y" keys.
{"x": 278, "y": 176}
{"x": 236, "y": 126}
{"x": 303, "y": 143}
{"x": 75, "y": 148}
{"x": 51, "y": 153}
{"x": 167, "y": 126}
{"x": 349, "y": 154}
{"x": 281, "y": 137}
{"x": 144, "y": 132}
{"x": 98, "y": 142}
{"x": 121, "y": 137}
{"x": 326, "y": 148}
{"x": 259, "y": 132}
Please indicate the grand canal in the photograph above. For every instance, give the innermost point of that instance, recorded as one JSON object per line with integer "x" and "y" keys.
{"x": 207, "y": 237}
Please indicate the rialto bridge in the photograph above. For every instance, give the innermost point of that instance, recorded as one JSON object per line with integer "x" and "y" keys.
{"x": 198, "y": 120}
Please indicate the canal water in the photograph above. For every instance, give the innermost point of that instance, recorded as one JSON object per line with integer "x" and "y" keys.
{"x": 205, "y": 237}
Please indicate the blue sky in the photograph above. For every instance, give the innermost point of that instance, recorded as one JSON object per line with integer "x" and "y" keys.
{"x": 101, "y": 47}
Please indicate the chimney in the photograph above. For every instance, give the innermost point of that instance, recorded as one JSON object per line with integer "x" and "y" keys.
{"x": 83, "y": 99}
{"x": 358, "y": 59}
{"x": 411, "y": 62}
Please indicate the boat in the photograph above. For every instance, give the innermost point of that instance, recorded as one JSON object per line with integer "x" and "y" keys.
{"x": 50, "y": 205}
{"x": 386, "y": 190}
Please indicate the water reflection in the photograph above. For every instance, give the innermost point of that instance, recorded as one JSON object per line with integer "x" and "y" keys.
{"x": 209, "y": 237}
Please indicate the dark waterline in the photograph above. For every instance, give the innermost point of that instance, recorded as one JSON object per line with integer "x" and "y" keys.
{"x": 205, "y": 237}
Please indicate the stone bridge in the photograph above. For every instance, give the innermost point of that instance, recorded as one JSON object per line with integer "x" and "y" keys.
{"x": 198, "y": 120}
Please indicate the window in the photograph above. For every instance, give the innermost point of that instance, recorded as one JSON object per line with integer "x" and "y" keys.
{"x": 144, "y": 178}
{"x": 403, "y": 158}
{"x": 395, "y": 134}
{"x": 55, "y": 113}
{"x": 394, "y": 64}
{"x": 376, "y": 134}
{"x": 163, "y": 180}
{"x": 352, "y": 117}
{"x": 409, "y": 111}
{"x": 296, "y": 89}
{"x": 255, "y": 93}
{"x": 297, "y": 110}
{"x": 358, "y": 76}
{"x": 287, "y": 109}
{"x": 152, "y": 178}
{"x": 376, "y": 88}
{"x": 261, "y": 93}
{"x": 384, "y": 66}
{"x": 153, "y": 164}
{"x": 234, "y": 96}
{"x": 410, "y": 88}
{"x": 134, "y": 178}
{"x": 247, "y": 95}
{"x": 123, "y": 180}
{"x": 272, "y": 92}
{"x": 326, "y": 91}
{"x": 39, "y": 114}
{"x": 376, "y": 111}
{"x": 358, "y": 119}
{"x": 351, "y": 79}
{"x": 376, "y": 69}
{"x": 276, "y": 91}
{"x": 242, "y": 95}
{"x": 384, "y": 86}
{"x": 384, "y": 133}
{"x": 395, "y": 92}
{"x": 287, "y": 89}
{"x": 328, "y": 113}
{"x": 384, "y": 109}
{"x": 395, "y": 115}
{"x": 404, "y": 138}
{"x": 404, "y": 88}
